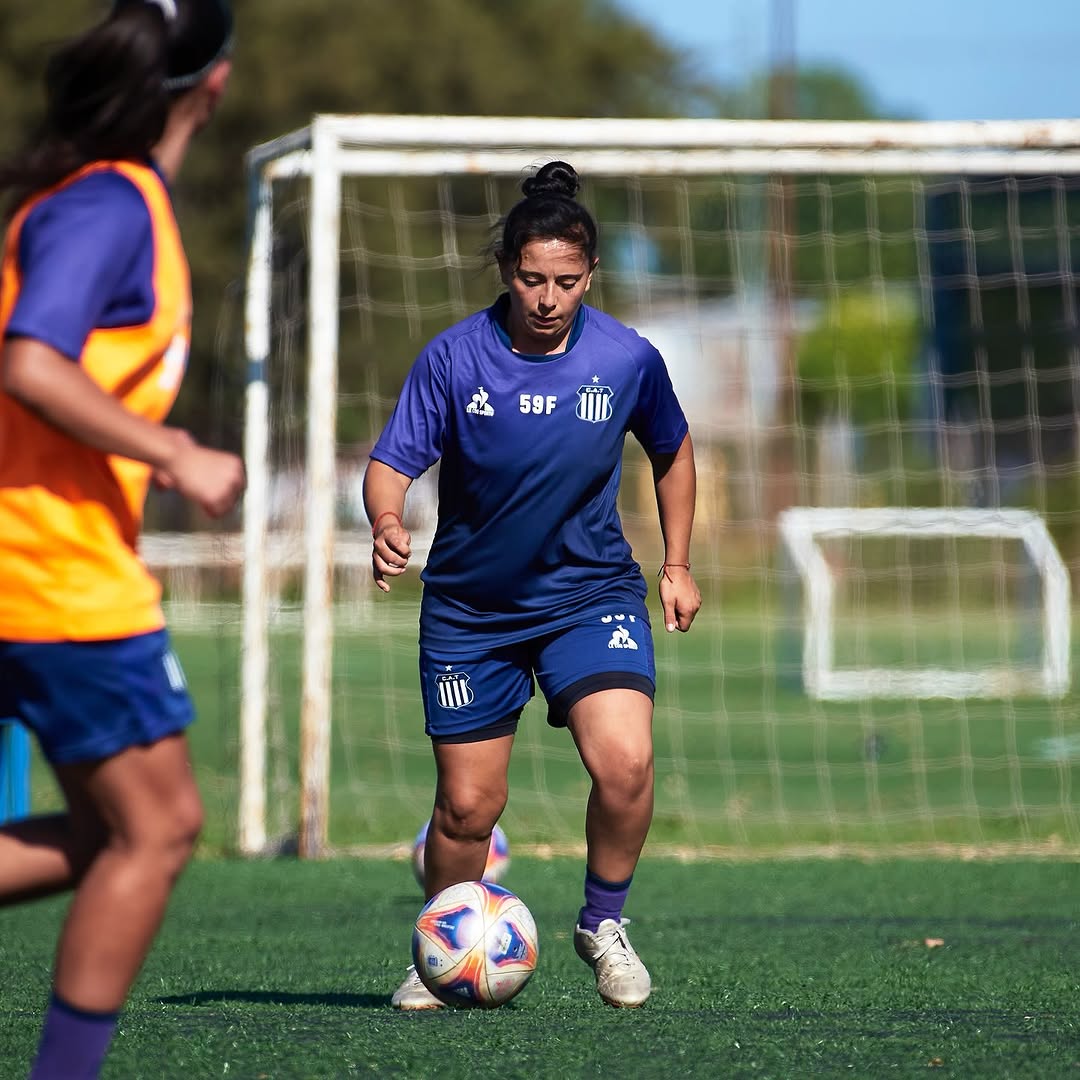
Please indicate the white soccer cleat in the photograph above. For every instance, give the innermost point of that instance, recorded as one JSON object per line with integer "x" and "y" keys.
{"x": 412, "y": 995}
{"x": 621, "y": 978}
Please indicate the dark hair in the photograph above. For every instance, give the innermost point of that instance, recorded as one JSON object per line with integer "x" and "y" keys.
{"x": 548, "y": 211}
{"x": 109, "y": 90}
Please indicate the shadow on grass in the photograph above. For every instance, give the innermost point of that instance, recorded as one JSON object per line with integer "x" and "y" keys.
{"x": 279, "y": 997}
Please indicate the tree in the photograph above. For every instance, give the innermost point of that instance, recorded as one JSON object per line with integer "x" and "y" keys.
{"x": 819, "y": 91}
{"x": 481, "y": 57}
{"x": 485, "y": 57}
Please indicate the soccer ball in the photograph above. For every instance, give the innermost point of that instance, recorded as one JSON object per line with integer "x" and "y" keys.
{"x": 474, "y": 945}
{"x": 497, "y": 861}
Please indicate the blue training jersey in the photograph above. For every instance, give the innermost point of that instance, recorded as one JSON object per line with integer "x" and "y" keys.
{"x": 528, "y": 537}
{"x": 86, "y": 257}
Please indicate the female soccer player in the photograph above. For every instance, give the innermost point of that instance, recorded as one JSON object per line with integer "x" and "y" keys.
{"x": 528, "y": 404}
{"x": 95, "y": 312}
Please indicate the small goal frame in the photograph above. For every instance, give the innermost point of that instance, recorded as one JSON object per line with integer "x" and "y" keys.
{"x": 802, "y": 527}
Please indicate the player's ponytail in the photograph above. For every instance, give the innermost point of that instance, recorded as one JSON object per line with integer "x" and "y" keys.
{"x": 548, "y": 211}
{"x": 109, "y": 90}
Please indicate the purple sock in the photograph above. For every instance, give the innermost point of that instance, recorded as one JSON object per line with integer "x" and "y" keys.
{"x": 603, "y": 900}
{"x": 73, "y": 1043}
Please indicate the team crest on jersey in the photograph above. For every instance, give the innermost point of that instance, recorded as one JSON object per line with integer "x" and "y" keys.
{"x": 594, "y": 402}
{"x": 480, "y": 406}
{"x": 454, "y": 690}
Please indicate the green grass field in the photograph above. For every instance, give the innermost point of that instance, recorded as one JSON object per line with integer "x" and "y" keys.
{"x": 283, "y": 970}
{"x": 764, "y": 966}
{"x": 745, "y": 760}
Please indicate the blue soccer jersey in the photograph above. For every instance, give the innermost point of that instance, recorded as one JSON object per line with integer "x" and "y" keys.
{"x": 528, "y": 537}
{"x": 86, "y": 258}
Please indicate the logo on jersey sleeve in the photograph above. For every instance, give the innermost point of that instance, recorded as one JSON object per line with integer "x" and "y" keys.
{"x": 594, "y": 402}
{"x": 480, "y": 406}
{"x": 453, "y": 690}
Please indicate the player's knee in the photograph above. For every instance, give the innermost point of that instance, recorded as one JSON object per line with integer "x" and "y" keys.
{"x": 469, "y": 813}
{"x": 626, "y": 778}
{"x": 165, "y": 836}
{"x": 188, "y": 824}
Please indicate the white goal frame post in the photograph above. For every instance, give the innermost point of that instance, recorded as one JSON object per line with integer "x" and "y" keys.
{"x": 801, "y": 529}
{"x": 333, "y": 147}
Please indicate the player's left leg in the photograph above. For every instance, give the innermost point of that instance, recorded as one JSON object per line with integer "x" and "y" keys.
{"x": 599, "y": 677}
{"x": 613, "y": 733}
{"x": 84, "y": 701}
{"x": 49, "y": 853}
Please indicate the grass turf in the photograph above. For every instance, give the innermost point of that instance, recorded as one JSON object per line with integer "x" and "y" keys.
{"x": 268, "y": 970}
{"x": 744, "y": 759}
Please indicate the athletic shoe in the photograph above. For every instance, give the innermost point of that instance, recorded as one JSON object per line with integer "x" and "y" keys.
{"x": 413, "y": 995}
{"x": 621, "y": 978}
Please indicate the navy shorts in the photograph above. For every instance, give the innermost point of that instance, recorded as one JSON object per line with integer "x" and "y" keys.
{"x": 88, "y": 700}
{"x": 474, "y": 696}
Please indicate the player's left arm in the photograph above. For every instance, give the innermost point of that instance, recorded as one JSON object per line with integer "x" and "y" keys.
{"x": 675, "y": 480}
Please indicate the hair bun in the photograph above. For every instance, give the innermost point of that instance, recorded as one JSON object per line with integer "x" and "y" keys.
{"x": 556, "y": 179}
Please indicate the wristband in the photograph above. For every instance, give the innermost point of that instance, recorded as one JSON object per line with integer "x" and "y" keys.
{"x": 663, "y": 569}
{"x": 385, "y": 513}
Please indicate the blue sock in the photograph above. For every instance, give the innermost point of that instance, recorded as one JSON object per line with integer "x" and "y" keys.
{"x": 73, "y": 1042}
{"x": 603, "y": 900}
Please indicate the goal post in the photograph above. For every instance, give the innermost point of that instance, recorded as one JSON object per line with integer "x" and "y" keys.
{"x": 803, "y": 528}
{"x": 383, "y": 214}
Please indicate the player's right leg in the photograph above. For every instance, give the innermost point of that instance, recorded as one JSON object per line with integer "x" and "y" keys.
{"x": 147, "y": 797}
{"x": 109, "y": 716}
{"x": 471, "y": 709}
{"x": 469, "y": 797}
{"x": 150, "y": 804}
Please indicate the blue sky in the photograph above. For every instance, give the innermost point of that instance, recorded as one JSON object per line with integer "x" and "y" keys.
{"x": 934, "y": 59}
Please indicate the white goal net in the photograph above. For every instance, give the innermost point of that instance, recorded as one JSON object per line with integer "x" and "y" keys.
{"x": 874, "y": 331}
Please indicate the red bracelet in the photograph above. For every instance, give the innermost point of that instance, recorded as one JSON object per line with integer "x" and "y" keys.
{"x": 663, "y": 569}
{"x": 385, "y": 513}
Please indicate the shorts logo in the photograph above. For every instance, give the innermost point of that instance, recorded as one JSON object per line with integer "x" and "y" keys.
{"x": 621, "y": 639}
{"x": 174, "y": 672}
{"x": 594, "y": 402}
{"x": 454, "y": 690}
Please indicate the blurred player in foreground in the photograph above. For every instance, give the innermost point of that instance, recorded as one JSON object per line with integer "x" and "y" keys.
{"x": 527, "y": 404}
{"x": 95, "y": 314}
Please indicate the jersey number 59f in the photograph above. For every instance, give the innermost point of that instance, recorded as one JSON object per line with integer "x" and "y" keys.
{"x": 537, "y": 403}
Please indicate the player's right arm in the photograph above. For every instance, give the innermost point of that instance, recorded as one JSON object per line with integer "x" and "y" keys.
{"x": 60, "y": 392}
{"x": 384, "y": 501}
{"x": 410, "y": 444}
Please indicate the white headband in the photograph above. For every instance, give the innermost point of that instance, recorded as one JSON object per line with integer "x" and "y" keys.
{"x": 168, "y": 8}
